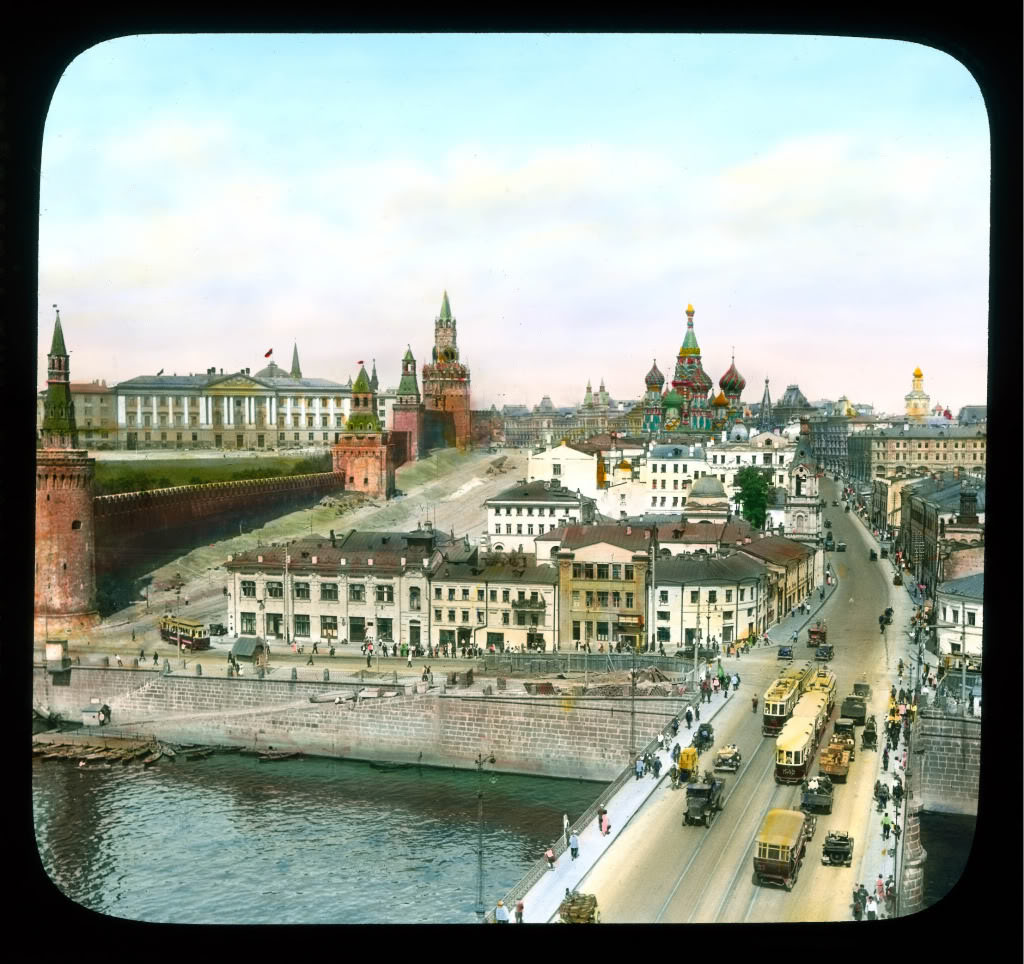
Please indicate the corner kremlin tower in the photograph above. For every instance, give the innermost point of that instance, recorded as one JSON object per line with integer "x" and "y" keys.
{"x": 65, "y": 571}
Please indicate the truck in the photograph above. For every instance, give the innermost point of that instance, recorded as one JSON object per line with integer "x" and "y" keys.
{"x": 703, "y": 801}
{"x": 780, "y": 846}
{"x": 855, "y": 708}
{"x": 835, "y": 761}
{"x": 817, "y": 635}
{"x": 817, "y": 795}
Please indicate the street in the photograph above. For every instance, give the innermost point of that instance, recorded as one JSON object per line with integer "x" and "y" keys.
{"x": 662, "y": 871}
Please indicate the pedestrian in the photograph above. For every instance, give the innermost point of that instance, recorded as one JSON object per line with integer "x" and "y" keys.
{"x": 117, "y": 656}
{"x": 600, "y": 816}
{"x": 885, "y": 759}
{"x": 880, "y": 888}
{"x": 501, "y": 913}
{"x": 133, "y": 635}
{"x": 714, "y": 686}
{"x": 661, "y": 738}
{"x": 638, "y": 768}
{"x": 565, "y": 828}
{"x": 886, "y": 826}
{"x": 409, "y": 660}
{"x": 872, "y": 908}
{"x": 657, "y": 767}
{"x": 309, "y": 662}
{"x": 574, "y": 845}
{"x": 155, "y": 660}
{"x": 315, "y": 650}
{"x": 689, "y": 717}
{"x": 735, "y": 681}
{"x": 696, "y": 711}
{"x": 606, "y": 824}
{"x": 369, "y": 657}
{"x": 675, "y": 753}
{"x": 519, "y": 911}
{"x": 549, "y": 854}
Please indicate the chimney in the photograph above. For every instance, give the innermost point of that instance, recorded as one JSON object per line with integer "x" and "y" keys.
{"x": 968, "y": 506}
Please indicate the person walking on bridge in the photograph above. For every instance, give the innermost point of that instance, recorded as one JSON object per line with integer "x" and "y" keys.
{"x": 565, "y": 828}
{"x": 689, "y": 717}
{"x": 574, "y": 845}
{"x": 638, "y": 768}
{"x": 501, "y": 913}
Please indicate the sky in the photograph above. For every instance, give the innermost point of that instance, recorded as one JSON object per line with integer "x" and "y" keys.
{"x": 822, "y": 202}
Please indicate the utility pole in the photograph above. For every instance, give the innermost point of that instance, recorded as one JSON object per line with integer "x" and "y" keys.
{"x": 632, "y": 705}
{"x": 480, "y": 761}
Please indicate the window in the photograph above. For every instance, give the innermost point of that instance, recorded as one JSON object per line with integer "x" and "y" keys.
{"x": 629, "y": 600}
{"x": 437, "y": 592}
{"x": 602, "y": 631}
{"x": 629, "y": 573}
{"x": 329, "y": 591}
{"x": 662, "y": 614}
{"x": 663, "y": 596}
{"x": 675, "y": 468}
{"x": 712, "y": 595}
{"x": 576, "y": 597}
{"x": 970, "y": 617}
{"x": 529, "y": 511}
{"x": 556, "y": 468}
{"x": 248, "y": 621}
{"x": 728, "y": 595}
{"x": 328, "y": 627}
{"x": 576, "y": 630}
{"x": 301, "y": 590}
{"x": 540, "y": 529}
{"x": 451, "y": 594}
{"x": 693, "y": 595}
{"x": 743, "y": 593}
{"x": 493, "y": 593}
{"x": 956, "y": 616}
{"x": 654, "y": 501}
{"x": 386, "y": 593}
{"x": 588, "y": 570}
{"x": 520, "y": 619}
{"x": 508, "y": 530}
{"x": 451, "y": 615}
{"x": 275, "y": 590}
{"x": 497, "y": 529}
{"x": 302, "y": 625}
{"x": 589, "y": 598}
{"x": 504, "y": 595}
{"x": 529, "y": 530}
{"x": 602, "y": 571}
{"x": 616, "y": 599}
{"x": 414, "y": 597}
{"x": 504, "y": 618}
{"x": 248, "y": 589}
{"x": 437, "y": 615}
{"x": 519, "y": 530}
{"x": 480, "y": 595}
{"x": 384, "y": 631}
{"x": 356, "y": 592}
{"x": 616, "y": 571}
{"x": 602, "y": 600}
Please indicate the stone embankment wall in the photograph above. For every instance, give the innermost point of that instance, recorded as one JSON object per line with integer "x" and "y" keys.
{"x": 947, "y": 749}
{"x": 133, "y": 525}
{"x": 549, "y": 736}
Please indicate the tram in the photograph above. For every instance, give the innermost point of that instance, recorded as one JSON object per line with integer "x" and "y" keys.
{"x": 825, "y": 681}
{"x": 813, "y": 707}
{"x": 184, "y": 632}
{"x": 781, "y": 698}
{"x": 794, "y": 751}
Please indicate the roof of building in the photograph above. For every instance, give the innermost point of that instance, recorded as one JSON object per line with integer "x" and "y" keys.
{"x": 158, "y": 383}
{"x": 777, "y": 549}
{"x": 57, "y": 344}
{"x": 924, "y": 431}
{"x": 654, "y": 378}
{"x": 537, "y": 491}
{"x": 707, "y": 487}
{"x": 247, "y": 646}
{"x": 521, "y": 568}
{"x": 684, "y": 570}
{"x": 972, "y": 587}
{"x": 386, "y": 549}
{"x": 623, "y": 536}
{"x": 944, "y": 491}
{"x": 972, "y": 413}
{"x": 676, "y": 452}
{"x": 732, "y": 382}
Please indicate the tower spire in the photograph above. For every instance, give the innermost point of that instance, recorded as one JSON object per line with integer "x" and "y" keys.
{"x": 446, "y": 311}
{"x": 373, "y": 377}
{"x": 296, "y": 371}
{"x": 59, "y": 429}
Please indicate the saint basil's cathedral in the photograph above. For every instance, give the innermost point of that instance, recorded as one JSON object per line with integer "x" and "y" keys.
{"x": 686, "y": 407}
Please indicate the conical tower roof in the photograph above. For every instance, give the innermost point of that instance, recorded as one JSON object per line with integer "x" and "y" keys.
{"x": 654, "y": 378}
{"x": 446, "y": 311}
{"x": 373, "y": 378}
{"x": 296, "y": 371}
{"x": 408, "y": 354}
{"x": 57, "y": 345}
{"x": 689, "y": 346}
{"x": 362, "y": 382}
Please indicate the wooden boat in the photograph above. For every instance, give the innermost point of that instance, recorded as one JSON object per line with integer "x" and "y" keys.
{"x": 198, "y": 754}
{"x": 275, "y": 756}
{"x": 389, "y": 766}
{"x": 151, "y": 759}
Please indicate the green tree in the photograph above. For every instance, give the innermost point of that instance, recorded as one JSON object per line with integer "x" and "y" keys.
{"x": 754, "y": 487}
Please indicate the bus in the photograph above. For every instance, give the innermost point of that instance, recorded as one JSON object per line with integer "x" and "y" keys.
{"x": 825, "y": 681}
{"x": 781, "y": 697}
{"x": 184, "y": 632}
{"x": 813, "y": 707}
{"x": 794, "y": 751}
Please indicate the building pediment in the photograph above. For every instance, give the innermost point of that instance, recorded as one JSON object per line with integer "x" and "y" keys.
{"x": 237, "y": 384}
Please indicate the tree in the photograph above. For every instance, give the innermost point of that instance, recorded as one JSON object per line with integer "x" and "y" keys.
{"x": 754, "y": 486}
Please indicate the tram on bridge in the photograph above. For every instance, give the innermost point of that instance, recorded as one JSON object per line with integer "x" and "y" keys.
{"x": 794, "y": 751}
{"x": 825, "y": 681}
{"x": 184, "y": 632}
{"x": 813, "y": 707}
{"x": 781, "y": 697}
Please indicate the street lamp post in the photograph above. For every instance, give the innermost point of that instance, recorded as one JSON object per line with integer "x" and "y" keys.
{"x": 480, "y": 761}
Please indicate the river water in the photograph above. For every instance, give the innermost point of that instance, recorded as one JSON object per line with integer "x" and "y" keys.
{"x": 230, "y": 840}
{"x": 948, "y": 838}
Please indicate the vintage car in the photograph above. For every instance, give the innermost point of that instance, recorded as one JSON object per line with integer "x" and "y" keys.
{"x": 840, "y": 547}
{"x": 845, "y": 728}
{"x": 862, "y": 688}
{"x": 780, "y": 846}
{"x": 703, "y": 801}
{"x": 872, "y": 556}
{"x": 728, "y": 758}
{"x": 835, "y": 760}
{"x": 837, "y": 850}
{"x": 817, "y": 795}
{"x": 817, "y": 635}
{"x": 218, "y": 629}
{"x": 835, "y": 502}
{"x": 897, "y": 580}
{"x": 854, "y": 708}
{"x": 825, "y": 652}
{"x": 885, "y": 553}
{"x": 704, "y": 737}
{"x": 784, "y": 652}
{"x": 846, "y": 508}
{"x": 828, "y": 523}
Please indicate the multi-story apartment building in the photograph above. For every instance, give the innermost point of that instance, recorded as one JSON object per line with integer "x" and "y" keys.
{"x": 363, "y": 586}
{"x": 700, "y": 598}
{"x": 913, "y": 449}
{"x": 95, "y": 414}
{"x": 960, "y": 617}
{"x": 487, "y": 601}
{"x": 830, "y": 435}
{"x": 793, "y": 570}
{"x": 603, "y": 578}
{"x": 518, "y": 515}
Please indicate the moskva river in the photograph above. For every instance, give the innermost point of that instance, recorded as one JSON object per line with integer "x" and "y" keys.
{"x": 230, "y": 840}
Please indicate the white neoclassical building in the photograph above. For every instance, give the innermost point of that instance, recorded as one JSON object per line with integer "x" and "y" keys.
{"x": 960, "y": 612}
{"x": 518, "y": 515}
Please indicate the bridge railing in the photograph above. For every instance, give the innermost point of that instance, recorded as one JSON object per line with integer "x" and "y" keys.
{"x": 574, "y": 662}
{"x": 540, "y": 868}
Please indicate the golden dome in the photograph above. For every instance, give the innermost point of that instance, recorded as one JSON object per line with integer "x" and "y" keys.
{"x": 917, "y": 373}
{"x": 689, "y": 309}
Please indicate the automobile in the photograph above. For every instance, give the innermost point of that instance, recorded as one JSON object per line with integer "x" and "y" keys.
{"x": 785, "y": 652}
{"x": 872, "y": 556}
{"x": 837, "y": 850}
{"x": 835, "y": 503}
{"x": 703, "y": 801}
{"x": 218, "y": 629}
{"x": 840, "y": 547}
{"x": 828, "y": 523}
{"x": 825, "y": 652}
{"x": 704, "y": 737}
{"x": 885, "y": 553}
{"x": 817, "y": 795}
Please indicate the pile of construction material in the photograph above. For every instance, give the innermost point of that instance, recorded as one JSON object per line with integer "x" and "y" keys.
{"x": 578, "y": 909}
{"x": 649, "y": 682}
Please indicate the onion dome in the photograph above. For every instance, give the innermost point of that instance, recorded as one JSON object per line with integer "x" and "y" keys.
{"x": 732, "y": 382}
{"x": 654, "y": 378}
{"x": 720, "y": 401}
{"x": 917, "y": 373}
{"x": 701, "y": 380}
